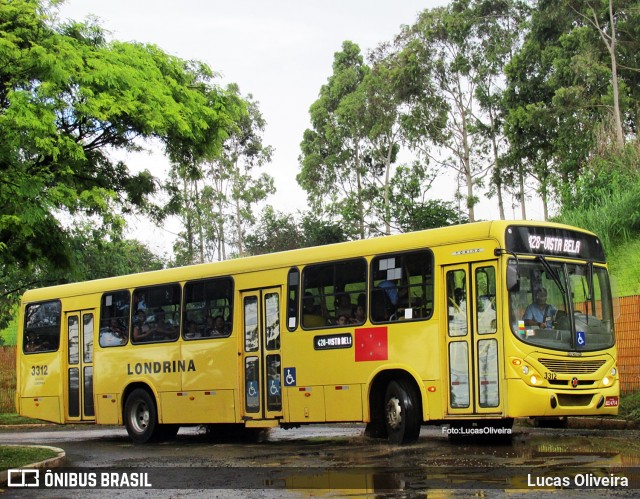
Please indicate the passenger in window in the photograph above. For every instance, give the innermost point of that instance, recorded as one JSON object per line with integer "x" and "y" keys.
{"x": 342, "y": 320}
{"x": 209, "y": 327}
{"x": 391, "y": 290}
{"x": 219, "y": 327}
{"x": 310, "y": 317}
{"x": 360, "y": 315}
{"x": 385, "y": 301}
{"x": 140, "y": 304}
{"x": 343, "y": 305}
{"x": 192, "y": 330}
{"x": 458, "y": 296}
{"x": 539, "y": 313}
{"x": 162, "y": 329}
{"x": 141, "y": 330}
{"x": 30, "y": 344}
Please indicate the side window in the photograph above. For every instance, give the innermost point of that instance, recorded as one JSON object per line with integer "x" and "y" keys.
{"x": 114, "y": 318}
{"x": 293, "y": 291}
{"x": 457, "y": 298}
{"x": 332, "y": 293}
{"x": 208, "y": 308}
{"x": 156, "y": 314}
{"x": 402, "y": 286}
{"x": 486, "y": 297}
{"x": 42, "y": 327}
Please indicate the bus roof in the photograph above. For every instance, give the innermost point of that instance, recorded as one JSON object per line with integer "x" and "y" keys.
{"x": 412, "y": 240}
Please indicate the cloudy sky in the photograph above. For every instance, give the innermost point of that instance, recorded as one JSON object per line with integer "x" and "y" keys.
{"x": 280, "y": 51}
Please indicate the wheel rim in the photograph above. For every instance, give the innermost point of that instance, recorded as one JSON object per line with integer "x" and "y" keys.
{"x": 394, "y": 413}
{"x": 139, "y": 417}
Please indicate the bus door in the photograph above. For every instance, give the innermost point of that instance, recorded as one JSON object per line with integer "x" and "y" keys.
{"x": 261, "y": 356}
{"x": 473, "y": 344}
{"x": 79, "y": 373}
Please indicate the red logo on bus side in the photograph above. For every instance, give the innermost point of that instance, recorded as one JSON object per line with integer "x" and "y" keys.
{"x": 371, "y": 344}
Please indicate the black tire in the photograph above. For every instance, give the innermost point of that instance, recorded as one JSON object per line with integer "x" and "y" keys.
{"x": 403, "y": 414}
{"x": 141, "y": 417}
{"x": 376, "y": 429}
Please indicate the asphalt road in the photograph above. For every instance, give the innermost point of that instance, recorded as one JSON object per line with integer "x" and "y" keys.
{"x": 337, "y": 460}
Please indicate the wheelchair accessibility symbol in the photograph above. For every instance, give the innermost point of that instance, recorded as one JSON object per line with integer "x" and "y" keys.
{"x": 274, "y": 387}
{"x": 581, "y": 338}
{"x": 252, "y": 390}
{"x": 289, "y": 376}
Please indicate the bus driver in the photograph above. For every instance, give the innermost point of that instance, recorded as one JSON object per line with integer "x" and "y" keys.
{"x": 539, "y": 313}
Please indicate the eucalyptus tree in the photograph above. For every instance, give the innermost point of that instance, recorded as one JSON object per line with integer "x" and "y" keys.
{"x": 348, "y": 158}
{"x": 243, "y": 153}
{"x": 219, "y": 194}
{"x": 444, "y": 49}
{"x": 336, "y": 159}
{"x": 498, "y": 28}
{"x": 381, "y": 117}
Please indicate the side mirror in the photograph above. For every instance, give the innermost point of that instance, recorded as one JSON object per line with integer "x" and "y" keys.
{"x": 513, "y": 278}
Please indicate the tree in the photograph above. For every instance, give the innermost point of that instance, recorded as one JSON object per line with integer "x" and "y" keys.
{"x": 412, "y": 209}
{"x": 441, "y": 47}
{"x": 318, "y": 232}
{"x": 563, "y": 90}
{"x": 275, "y": 231}
{"x": 67, "y": 99}
{"x": 243, "y": 152}
{"x": 498, "y": 28}
{"x": 336, "y": 157}
{"x": 609, "y": 38}
{"x": 93, "y": 254}
{"x": 218, "y": 195}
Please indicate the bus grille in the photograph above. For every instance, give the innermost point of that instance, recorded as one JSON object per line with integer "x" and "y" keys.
{"x": 572, "y": 366}
{"x": 574, "y": 400}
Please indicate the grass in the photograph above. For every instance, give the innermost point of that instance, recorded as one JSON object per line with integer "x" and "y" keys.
{"x": 17, "y": 456}
{"x": 630, "y": 407}
{"x": 14, "y": 419}
{"x": 10, "y": 333}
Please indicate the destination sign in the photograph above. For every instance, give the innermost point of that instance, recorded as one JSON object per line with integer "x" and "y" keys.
{"x": 554, "y": 241}
{"x": 329, "y": 342}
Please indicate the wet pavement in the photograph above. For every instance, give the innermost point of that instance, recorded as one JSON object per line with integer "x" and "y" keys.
{"x": 338, "y": 460}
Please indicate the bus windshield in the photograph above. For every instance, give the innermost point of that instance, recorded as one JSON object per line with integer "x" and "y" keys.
{"x": 562, "y": 305}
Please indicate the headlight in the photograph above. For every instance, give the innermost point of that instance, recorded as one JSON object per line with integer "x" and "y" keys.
{"x": 606, "y": 381}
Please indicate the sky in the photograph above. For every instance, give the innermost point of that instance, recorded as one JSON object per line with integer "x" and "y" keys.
{"x": 279, "y": 51}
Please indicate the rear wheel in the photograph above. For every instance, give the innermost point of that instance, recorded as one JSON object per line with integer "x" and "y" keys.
{"x": 141, "y": 417}
{"x": 402, "y": 413}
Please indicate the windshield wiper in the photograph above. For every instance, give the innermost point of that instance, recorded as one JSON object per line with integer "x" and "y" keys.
{"x": 552, "y": 273}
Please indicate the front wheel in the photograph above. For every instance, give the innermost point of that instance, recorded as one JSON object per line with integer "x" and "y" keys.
{"x": 402, "y": 413}
{"x": 141, "y": 417}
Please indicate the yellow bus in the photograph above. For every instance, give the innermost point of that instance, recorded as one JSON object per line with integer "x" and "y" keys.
{"x": 468, "y": 325}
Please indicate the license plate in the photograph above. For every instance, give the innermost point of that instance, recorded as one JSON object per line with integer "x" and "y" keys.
{"x": 611, "y": 402}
